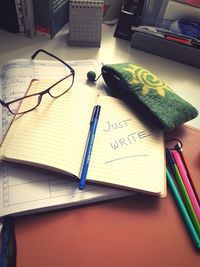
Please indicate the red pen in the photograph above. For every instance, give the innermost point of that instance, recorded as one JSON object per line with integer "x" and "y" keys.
{"x": 178, "y": 40}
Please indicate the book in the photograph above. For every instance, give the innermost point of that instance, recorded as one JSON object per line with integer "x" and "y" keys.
{"x": 23, "y": 189}
{"x": 20, "y": 17}
{"x": 56, "y": 15}
{"x": 125, "y": 152}
{"x": 28, "y": 18}
{"x": 25, "y": 16}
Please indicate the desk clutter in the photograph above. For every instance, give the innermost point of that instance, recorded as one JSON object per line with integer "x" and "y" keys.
{"x": 179, "y": 48}
{"x": 44, "y": 144}
{"x": 84, "y": 18}
{"x": 169, "y": 29}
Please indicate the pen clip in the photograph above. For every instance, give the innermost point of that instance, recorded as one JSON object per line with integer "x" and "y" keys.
{"x": 92, "y": 117}
{"x": 178, "y": 145}
{"x": 95, "y": 113}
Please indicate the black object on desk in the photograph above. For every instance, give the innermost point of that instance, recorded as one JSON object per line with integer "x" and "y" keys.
{"x": 130, "y": 16}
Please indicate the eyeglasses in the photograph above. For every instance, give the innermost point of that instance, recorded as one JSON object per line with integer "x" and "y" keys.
{"x": 56, "y": 90}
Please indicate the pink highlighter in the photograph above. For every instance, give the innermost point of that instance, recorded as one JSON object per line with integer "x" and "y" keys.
{"x": 186, "y": 182}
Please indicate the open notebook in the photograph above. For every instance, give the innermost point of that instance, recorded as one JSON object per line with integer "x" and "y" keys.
{"x": 126, "y": 154}
{"x": 24, "y": 189}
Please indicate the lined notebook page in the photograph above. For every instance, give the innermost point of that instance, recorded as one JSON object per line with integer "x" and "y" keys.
{"x": 126, "y": 152}
{"x": 56, "y": 132}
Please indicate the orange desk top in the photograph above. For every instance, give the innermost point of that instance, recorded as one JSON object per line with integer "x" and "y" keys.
{"x": 137, "y": 231}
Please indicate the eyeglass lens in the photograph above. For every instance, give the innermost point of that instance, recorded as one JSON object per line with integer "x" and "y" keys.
{"x": 26, "y": 104}
{"x": 30, "y": 102}
{"x": 62, "y": 86}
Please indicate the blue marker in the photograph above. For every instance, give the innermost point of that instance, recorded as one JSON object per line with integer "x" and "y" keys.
{"x": 88, "y": 151}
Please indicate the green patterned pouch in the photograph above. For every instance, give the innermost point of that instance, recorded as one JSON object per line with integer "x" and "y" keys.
{"x": 148, "y": 95}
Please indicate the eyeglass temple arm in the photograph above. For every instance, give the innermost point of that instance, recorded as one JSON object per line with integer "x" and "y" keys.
{"x": 51, "y": 55}
{"x": 3, "y": 103}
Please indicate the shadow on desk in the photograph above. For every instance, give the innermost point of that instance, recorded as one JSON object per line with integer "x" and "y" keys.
{"x": 136, "y": 231}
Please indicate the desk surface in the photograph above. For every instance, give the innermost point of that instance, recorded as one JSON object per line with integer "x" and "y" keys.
{"x": 138, "y": 231}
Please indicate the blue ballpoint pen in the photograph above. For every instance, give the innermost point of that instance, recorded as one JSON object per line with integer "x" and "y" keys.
{"x": 89, "y": 146}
